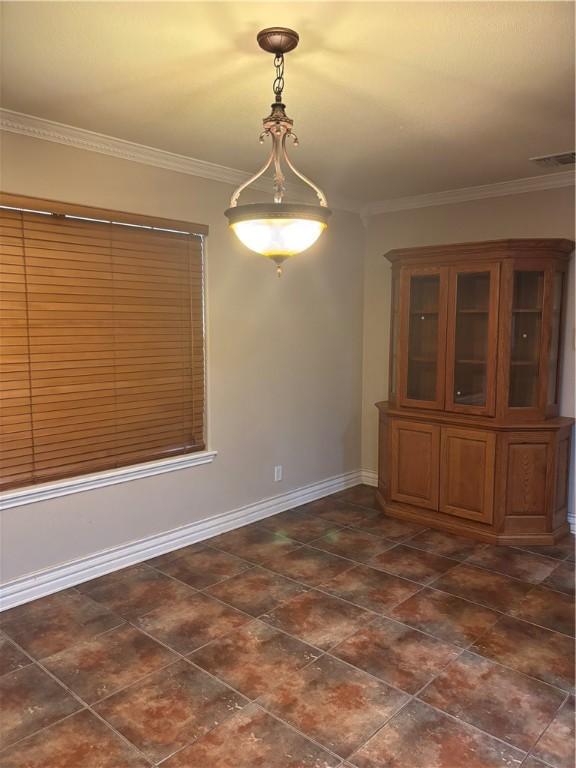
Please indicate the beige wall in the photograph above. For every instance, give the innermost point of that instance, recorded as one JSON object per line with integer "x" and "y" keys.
{"x": 294, "y": 365}
{"x": 284, "y": 363}
{"x": 537, "y": 214}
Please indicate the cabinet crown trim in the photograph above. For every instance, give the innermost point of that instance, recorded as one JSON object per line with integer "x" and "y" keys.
{"x": 495, "y": 249}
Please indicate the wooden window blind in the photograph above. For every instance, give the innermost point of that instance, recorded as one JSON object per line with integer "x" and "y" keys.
{"x": 102, "y": 341}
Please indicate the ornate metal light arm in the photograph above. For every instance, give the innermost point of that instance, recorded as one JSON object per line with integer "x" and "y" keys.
{"x": 278, "y": 229}
{"x": 237, "y": 192}
{"x": 319, "y": 194}
{"x": 279, "y": 127}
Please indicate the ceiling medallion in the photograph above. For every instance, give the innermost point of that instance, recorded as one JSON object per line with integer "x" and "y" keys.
{"x": 277, "y": 229}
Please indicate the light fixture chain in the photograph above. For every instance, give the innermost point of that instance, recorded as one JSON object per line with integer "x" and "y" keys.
{"x": 278, "y": 85}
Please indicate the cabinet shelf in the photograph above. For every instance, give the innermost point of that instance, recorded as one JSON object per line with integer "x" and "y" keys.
{"x": 526, "y": 311}
{"x": 473, "y": 399}
{"x": 424, "y": 312}
{"x": 470, "y": 362}
{"x": 472, "y": 311}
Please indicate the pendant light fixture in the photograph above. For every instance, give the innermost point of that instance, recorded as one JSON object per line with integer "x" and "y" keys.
{"x": 277, "y": 229}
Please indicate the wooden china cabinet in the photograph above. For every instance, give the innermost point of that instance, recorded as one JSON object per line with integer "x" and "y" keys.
{"x": 470, "y": 439}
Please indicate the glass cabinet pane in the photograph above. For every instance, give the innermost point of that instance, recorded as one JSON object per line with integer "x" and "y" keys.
{"x": 526, "y": 328}
{"x": 471, "y": 338}
{"x": 554, "y": 339}
{"x": 394, "y": 337}
{"x": 423, "y": 337}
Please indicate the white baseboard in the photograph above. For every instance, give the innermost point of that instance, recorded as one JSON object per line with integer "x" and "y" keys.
{"x": 369, "y": 477}
{"x": 50, "y": 580}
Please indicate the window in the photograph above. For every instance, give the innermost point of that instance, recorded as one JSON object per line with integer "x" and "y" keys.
{"x": 102, "y": 340}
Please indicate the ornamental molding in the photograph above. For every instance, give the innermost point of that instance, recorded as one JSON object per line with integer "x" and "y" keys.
{"x": 467, "y": 194}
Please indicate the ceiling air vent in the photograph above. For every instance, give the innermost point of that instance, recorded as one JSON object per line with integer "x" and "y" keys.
{"x": 555, "y": 161}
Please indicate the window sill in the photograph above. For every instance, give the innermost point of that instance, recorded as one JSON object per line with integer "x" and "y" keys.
{"x": 45, "y": 491}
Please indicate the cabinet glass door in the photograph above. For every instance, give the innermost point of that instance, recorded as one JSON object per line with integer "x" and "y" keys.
{"x": 527, "y": 305}
{"x": 423, "y": 337}
{"x": 554, "y": 354}
{"x": 472, "y": 339}
{"x": 394, "y": 333}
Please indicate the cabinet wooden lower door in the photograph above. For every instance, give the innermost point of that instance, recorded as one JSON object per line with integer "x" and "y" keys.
{"x": 414, "y": 463}
{"x": 467, "y": 473}
{"x": 529, "y": 472}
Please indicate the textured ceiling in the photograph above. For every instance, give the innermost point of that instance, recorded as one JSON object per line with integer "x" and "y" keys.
{"x": 389, "y": 99}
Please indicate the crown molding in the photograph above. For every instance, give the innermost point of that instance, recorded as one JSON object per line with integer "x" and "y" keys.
{"x": 466, "y": 194}
{"x": 80, "y": 138}
{"x": 48, "y": 130}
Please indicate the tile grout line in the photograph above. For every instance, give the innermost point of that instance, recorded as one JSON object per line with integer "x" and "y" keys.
{"x": 322, "y": 653}
{"x": 546, "y": 729}
{"x": 319, "y": 589}
{"x": 328, "y": 652}
{"x": 180, "y": 657}
{"x": 187, "y": 659}
{"x": 89, "y": 707}
{"x": 379, "y": 510}
{"x": 544, "y": 763}
{"x": 460, "y": 719}
{"x": 307, "y": 588}
{"x": 407, "y": 542}
{"x": 19, "y": 742}
{"x": 485, "y": 545}
{"x": 410, "y": 698}
{"x": 260, "y": 524}
{"x": 403, "y": 542}
{"x": 453, "y": 718}
{"x": 422, "y": 587}
{"x": 490, "y": 629}
{"x": 225, "y": 683}
{"x": 416, "y": 697}
{"x": 357, "y": 563}
{"x": 84, "y": 707}
{"x": 468, "y": 561}
{"x": 139, "y": 680}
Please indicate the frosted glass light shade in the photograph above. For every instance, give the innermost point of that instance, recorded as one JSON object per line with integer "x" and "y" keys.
{"x": 278, "y": 230}
{"x": 278, "y": 237}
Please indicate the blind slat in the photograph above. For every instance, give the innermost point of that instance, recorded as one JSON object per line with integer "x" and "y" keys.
{"x": 77, "y": 408}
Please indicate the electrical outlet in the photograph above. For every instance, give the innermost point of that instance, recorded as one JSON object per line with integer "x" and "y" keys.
{"x": 277, "y": 473}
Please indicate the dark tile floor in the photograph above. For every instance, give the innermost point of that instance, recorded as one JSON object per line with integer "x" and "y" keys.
{"x": 324, "y": 637}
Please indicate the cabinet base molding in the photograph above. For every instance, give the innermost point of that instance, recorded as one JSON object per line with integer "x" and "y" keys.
{"x": 444, "y": 523}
